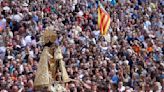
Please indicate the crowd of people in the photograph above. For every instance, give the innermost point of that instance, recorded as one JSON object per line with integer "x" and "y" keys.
{"x": 130, "y": 58}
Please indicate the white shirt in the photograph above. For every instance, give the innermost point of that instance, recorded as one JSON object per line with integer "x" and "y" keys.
{"x": 107, "y": 38}
{"x": 147, "y": 24}
{"x": 23, "y": 43}
{"x": 114, "y": 39}
{"x": 33, "y": 42}
{"x": 31, "y": 53}
{"x": 96, "y": 33}
{"x": 3, "y": 20}
{"x": 94, "y": 41}
{"x": 121, "y": 89}
{"x": 3, "y": 23}
{"x": 28, "y": 39}
{"x": 80, "y": 13}
{"x": 21, "y": 68}
{"x": 17, "y": 17}
{"x": 2, "y": 49}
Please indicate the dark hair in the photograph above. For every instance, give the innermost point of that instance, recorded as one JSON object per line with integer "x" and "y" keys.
{"x": 79, "y": 89}
{"x": 48, "y": 44}
{"x": 72, "y": 89}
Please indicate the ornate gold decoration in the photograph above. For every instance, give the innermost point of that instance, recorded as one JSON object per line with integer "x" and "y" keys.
{"x": 51, "y": 64}
{"x": 48, "y": 36}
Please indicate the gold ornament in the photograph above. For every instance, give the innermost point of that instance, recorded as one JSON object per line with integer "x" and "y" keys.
{"x": 48, "y": 36}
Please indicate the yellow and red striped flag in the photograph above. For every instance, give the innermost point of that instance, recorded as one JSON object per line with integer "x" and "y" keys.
{"x": 103, "y": 20}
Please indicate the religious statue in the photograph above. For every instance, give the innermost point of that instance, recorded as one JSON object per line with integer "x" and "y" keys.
{"x": 51, "y": 68}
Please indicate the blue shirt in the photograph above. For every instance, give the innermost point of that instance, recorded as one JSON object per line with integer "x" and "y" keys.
{"x": 161, "y": 76}
{"x": 156, "y": 57}
{"x": 141, "y": 38}
{"x": 115, "y": 79}
{"x": 35, "y": 18}
{"x": 113, "y": 2}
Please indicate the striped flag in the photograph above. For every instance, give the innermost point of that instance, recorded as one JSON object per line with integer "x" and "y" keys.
{"x": 103, "y": 20}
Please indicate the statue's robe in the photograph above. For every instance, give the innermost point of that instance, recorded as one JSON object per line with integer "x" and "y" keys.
{"x": 43, "y": 78}
{"x": 50, "y": 60}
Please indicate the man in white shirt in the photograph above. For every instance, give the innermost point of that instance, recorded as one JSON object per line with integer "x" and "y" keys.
{"x": 157, "y": 87}
{"x": 28, "y": 39}
{"x": 121, "y": 88}
{"x": 2, "y": 22}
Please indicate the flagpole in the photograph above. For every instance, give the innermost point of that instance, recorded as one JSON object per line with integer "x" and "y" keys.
{"x": 42, "y": 14}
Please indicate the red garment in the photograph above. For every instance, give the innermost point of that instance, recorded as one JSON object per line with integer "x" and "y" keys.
{"x": 136, "y": 49}
{"x": 86, "y": 16}
{"x": 47, "y": 10}
{"x": 79, "y": 20}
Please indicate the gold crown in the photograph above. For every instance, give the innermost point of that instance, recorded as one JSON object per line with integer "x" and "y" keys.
{"x": 48, "y": 36}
